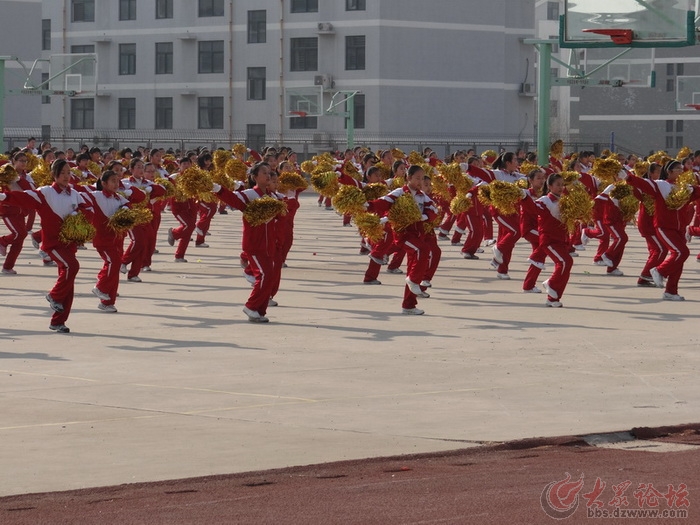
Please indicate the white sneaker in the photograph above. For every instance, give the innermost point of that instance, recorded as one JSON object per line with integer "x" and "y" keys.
{"x": 489, "y": 242}
{"x": 657, "y": 277}
{"x": 550, "y": 292}
{"x": 252, "y": 314}
{"x": 534, "y": 289}
{"x": 250, "y": 278}
{"x": 146, "y": 269}
{"x": 427, "y": 284}
{"x": 503, "y": 276}
{"x": 100, "y": 295}
{"x": 599, "y": 263}
{"x": 573, "y": 254}
{"x": 379, "y": 261}
{"x": 373, "y": 281}
{"x": 415, "y": 289}
{"x": 616, "y": 272}
{"x": 180, "y": 260}
{"x": 171, "y": 237}
{"x": 272, "y": 302}
{"x": 672, "y": 297}
{"x": 688, "y": 237}
{"x": 494, "y": 264}
{"x": 412, "y": 311}
{"x": 35, "y": 243}
{"x": 580, "y": 247}
{"x": 201, "y": 245}
{"x": 123, "y": 268}
{"x": 394, "y": 270}
{"x": 536, "y": 264}
{"x": 135, "y": 279}
{"x": 479, "y": 250}
{"x": 497, "y": 255}
{"x": 8, "y": 271}
{"x": 584, "y": 239}
{"x": 607, "y": 262}
{"x": 109, "y": 308}
{"x": 553, "y": 304}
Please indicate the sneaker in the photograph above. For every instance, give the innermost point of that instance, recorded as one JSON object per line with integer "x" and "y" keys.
{"x": 56, "y": 307}
{"x": 657, "y": 278}
{"x": 243, "y": 263}
{"x": 412, "y": 311}
{"x": 553, "y": 304}
{"x": 252, "y": 314}
{"x": 442, "y": 237}
{"x": 379, "y": 261}
{"x": 100, "y": 295}
{"x": 171, "y": 237}
{"x": 426, "y": 283}
{"x": 551, "y": 293}
{"x": 135, "y": 279}
{"x": 489, "y": 242}
{"x": 329, "y": 208}
{"x": 8, "y": 271}
{"x": 364, "y": 251}
{"x": 146, "y": 269}
{"x": 284, "y": 265}
{"x": 607, "y": 262}
{"x": 456, "y": 243}
{"x": 645, "y": 284}
{"x": 415, "y": 288}
{"x": 109, "y": 308}
{"x": 536, "y": 264}
{"x": 49, "y": 262}
{"x": 272, "y": 302}
{"x": 616, "y": 273}
{"x": 471, "y": 256}
{"x": 374, "y": 281}
{"x": 123, "y": 269}
{"x": 497, "y": 255}
{"x": 155, "y": 251}
{"x": 503, "y": 276}
{"x": 249, "y": 278}
{"x": 202, "y": 245}
{"x": 672, "y": 297}
{"x": 180, "y": 260}
{"x": 394, "y": 270}
{"x": 584, "y": 239}
{"x": 534, "y": 289}
{"x": 599, "y": 262}
{"x": 573, "y": 254}
{"x": 35, "y": 243}
{"x": 223, "y": 212}
{"x": 3, "y": 249}
{"x": 580, "y": 247}
{"x": 494, "y": 264}
{"x": 82, "y": 247}
{"x": 60, "y": 328}
{"x": 479, "y": 250}
{"x": 346, "y": 224}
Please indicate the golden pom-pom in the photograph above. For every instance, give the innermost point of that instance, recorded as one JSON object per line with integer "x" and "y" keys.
{"x": 308, "y": 166}
{"x": 528, "y": 167}
{"x": 641, "y": 168}
{"x": 41, "y": 175}
{"x": 556, "y": 150}
{"x": 375, "y": 190}
{"x": 219, "y": 176}
{"x": 606, "y": 170}
{"x": 351, "y": 170}
{"x": 404, "y": 212}
{"x": 291, "y": 181}
{"x": 384, "y": 169}
{"x": 441, "y": 188}
{"x": 415, "y": 158}
{"x": 489, "y": 154}
{"x": 649, "y": 205}
{"x": 122, "y": 221}
{"x": 239, "y": 150}
{"x": 629, "y": 205}
{"x": 369, "y": 226}
{"x": 349, "y": 200}
{"x": 522, "y": 183}
{"x": 621, "y": 190}
{"x": 195, "y": 183}
{"x": 505, "y": 196}
{"x": 94, "y": 168}
{"x": 679, "y": 197}
{"x": 660, "y": 157}
{"x": 326, "y": 183}
{"x": 220, "y": 158}
{"x": 77, "y": 173}
{"x": 8, "y": 174}
{"x": 429, "y": 226}
{"x": 397, "y": 182}
{"x": 236, "y": 169}
{"x": 76, "y": 229}
{"x": 263, "y": 210}
{"x": 142, "y": 214}
{"x": 606, "y": 153}
{"x": 168, "y": 185}
{"x": 575, "y": 206}
{"x": 485, "y": 195}
{"x": 684, "y": 152}
{"x": 453, "y": 174}
{"x": 397, "y": 154}
{"x": 460, "y": 204}
{"x": 687, "y": 177}
{"x": 32, "y": 161}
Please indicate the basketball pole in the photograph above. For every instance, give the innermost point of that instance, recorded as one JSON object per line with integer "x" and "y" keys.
{"x": 2, "y": 102}
{"x": 544, "y": 91}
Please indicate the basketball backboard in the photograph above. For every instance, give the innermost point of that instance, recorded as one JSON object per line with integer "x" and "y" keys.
{"x": 633, "y": 70}
{"x": 304, "y": 101}
{"x": 627, "y": 23}
{"x": 73, "y": 73}
{"x": 687, "y": 93}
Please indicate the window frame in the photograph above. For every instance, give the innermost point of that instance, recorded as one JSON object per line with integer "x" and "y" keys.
{"x": 85, "y": 113}
{"x": 300, "y": 54}
{"x": 303, "y": 6}
{"x": 355, "y": 55}
{"x": 126, "y": 110}
{"x": 127, "y": 10}
{"x": 164, "y": 59}
{"x": 257, "y": 29}
{"x": 163, "y": 118}
{"x": 215, "y": 59}
{"x": 355, "y": 5}
{"x": 127, "y": 60}
{"x": 46, "y": 34}
{"x": 256, "y": 85}
{"x": 164, "y": 9}
{"x": 211, "y": 107}
{"x": 87, "y": 10}
{"x": 210, "y": 8}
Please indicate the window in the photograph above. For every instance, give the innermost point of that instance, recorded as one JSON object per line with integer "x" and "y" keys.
{"x": 670, "y": 84}
{"x": 256, "y": 83}
{"x": 164, "y": 58}
{"x": 354, "y": 5}
{"x": 670, "y": 69}
{"x": 88, "y": 48}
{"x": 669, "y": 126}
{"x": 211, "y": 8}
{"x": 127, "y": 113}
{"x": 354, "y": 53}
{"x": 127, "y": 9}
{"x": 552, "y": 10}
{"x": 83, "y": 11}
{"x": 680, "y": 68}
{"x": 211, "y": 56}
{"x": 679, "y": 126}
{"x": 359, "y": 111}
{"x": 304, "y": 6}
{"x": 84, "y": 68}
{"x": 82, "y": 113}
{"x": 679, "y": 142}
{"x": 46, "y": 34}
{"x": 45, "y": 99}
{"x": 255, "y": 136}
{"x": 164, "y": 112}
{"x": 303, "y": 123}
{"x": 669, "y": 142}
{"x": 127, "y": 59}
{"x": 304, "y": 54}
{"x": 164, "y": 9}
{"x": 211, "y": 113}
{"x": 257, "y": 27}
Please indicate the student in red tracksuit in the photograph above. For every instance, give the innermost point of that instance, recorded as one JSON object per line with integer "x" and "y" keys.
{"x": 205, "y": 210}
{"x": 53, "y": 204}
{"x": 598, "y": 231}
{"x": 529, "y": 229}
{"x": 281, "y": 230}
{"x": 431, "y": 241}
{"x": 287, "y": 234}
{"x": 645, "y": 225}
{"x": 670, "y": 226}
{"x": 108, "y": 243}
{"x": 554, "y": 238}
{"x": 186, "y": 214}
{"x": 412, "y": 238}
{"x": 615, "y": 226}
{"x": 398, "y": 172}
{"x": 15, "y": 217}
{"x": 258, "y": 241}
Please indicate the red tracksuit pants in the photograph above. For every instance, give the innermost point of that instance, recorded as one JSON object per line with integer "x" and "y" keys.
{"x": 206, "y": 210}
{"x": 618, "y": 241}
{"x": 418, "y": 255}
{"x": 508, "y": 235}
{"x": 15, "y": 239}
{"x": 62, "y": 292}
{"x": 563, "y": 262}
{"x": 262, "y": 266}
{"x": 135, "y": 253}
{"x": 108, "y": 278}
{"x": 657, "y": 254}
{"x": 678, "y": 253}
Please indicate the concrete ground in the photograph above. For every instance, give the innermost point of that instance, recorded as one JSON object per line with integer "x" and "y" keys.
{"x": 178, "y": 383}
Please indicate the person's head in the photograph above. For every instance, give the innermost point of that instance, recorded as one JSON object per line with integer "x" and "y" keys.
{"x": 70, "y": 153}
{"x": 348, "y": 155}
{"x": 31, "y": 142}
{"x": 116, "y": 166}
{"x": 537, "y": 179}
{"x": 19, "y": 161}
{"x": 60, "y": 170}
{"x": 414, "y": 177}
{"x": 82, "y": 160}
{"x": 149, "y": 171}
{"x": 205, "y": 161}
{"x": 555, "y": 183}
{"x": 274, "y": 179}
{"x": 136, "y": 167}
{"x": 95, "y": 154}
{"x": 84, "y": 148}
{"x": 506, "y": 161}
{"x": 368, "y": 161}
{"x": 109, "y": 181}
{"x": 185, "y": 163}
{"x": 386, "y": 157}
{"x": 427, "y": 151}
{"x": 126, "y": 153}
{"x": 292, "y": 156}
{"x": 373, "y": 175}
{"x": 671, "y": 170}
{"x": 155, "y": 156}
{"x": 44, "y": 146}
{"x": 285, "y": 166}
{"x": 271, "y": 160}
{"x": 631, "y": 160}
{"x": 574, "y": 165}
{"x": 427, "y": 186}
{"x": 653, "y": 172}
{"x": 687, "y": 163}
{"x": 49, "y": 155}
{"x": 586, "y": 158}
{"x": 260, "y": 176}
{"x": 398, "y": 169}
{"x": 60, "y": 154}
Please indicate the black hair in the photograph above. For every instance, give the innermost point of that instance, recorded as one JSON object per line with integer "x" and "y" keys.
{"x": 106, "y": 174}
{"x": 395, "y": 166}
{"x": 667, "y": 168}
{"x": 82, "y": 156}
{"x": 415, "y": 168}
{"x": 553, "y": 178}
{"x": 57, "y": 167}
{"x": 653, "y": 167}
{"x": 370, "y": 171}
{"x": 203, "y": 158}
{"x": 502, "y": 159}
{"x": 254, "y": 171}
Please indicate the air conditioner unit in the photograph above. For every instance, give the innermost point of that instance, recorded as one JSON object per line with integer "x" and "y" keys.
{"x": 326, "y": 81}
{"x": 326, "y": 28}
{"x": 526, "y": 90}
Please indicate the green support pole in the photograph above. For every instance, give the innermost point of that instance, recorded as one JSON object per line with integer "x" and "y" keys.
{"x": 351, "y": 121}
{"x": 2, "y": 104}
{"x": 543, "y": 97}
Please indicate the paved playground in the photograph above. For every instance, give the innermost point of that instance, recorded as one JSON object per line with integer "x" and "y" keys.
{"x": 178, "y": 384}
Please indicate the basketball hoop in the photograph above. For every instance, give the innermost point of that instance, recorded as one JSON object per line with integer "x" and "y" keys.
{"x": 618, "y": 36}
{"x": 696, "y": 107}
{"x": 298, "y": 113}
